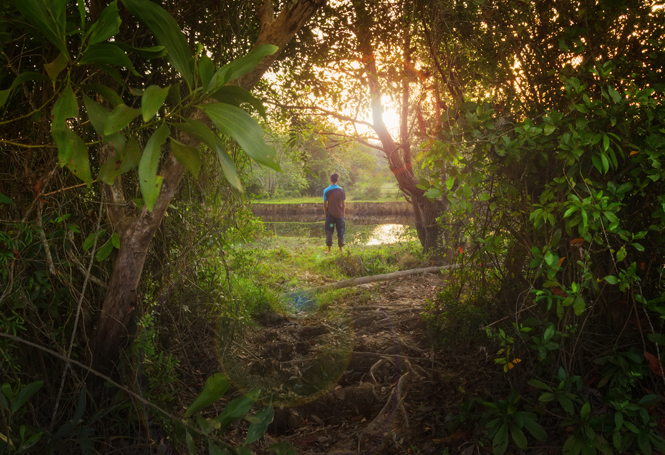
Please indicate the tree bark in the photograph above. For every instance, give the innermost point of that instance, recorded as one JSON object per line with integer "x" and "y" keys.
{"x": 137, "y": 228}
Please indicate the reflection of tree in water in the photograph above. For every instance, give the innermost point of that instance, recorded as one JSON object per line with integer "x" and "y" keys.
{"x": 295, "y": 362}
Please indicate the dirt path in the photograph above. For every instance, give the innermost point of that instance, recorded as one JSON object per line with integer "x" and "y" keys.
{"x": 356, "y": 377}
{"x": 389, "y": 394}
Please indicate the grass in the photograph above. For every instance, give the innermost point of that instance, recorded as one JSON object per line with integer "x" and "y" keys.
{"x": 280, "y": 266}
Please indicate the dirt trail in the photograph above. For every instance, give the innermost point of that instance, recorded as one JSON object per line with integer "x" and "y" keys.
{"x": 389, "y": 397}
{"x": 357, "y": 378}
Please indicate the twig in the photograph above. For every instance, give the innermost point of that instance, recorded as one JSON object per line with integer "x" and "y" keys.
{"x": 42, "y": 236}
{"x": 503, "y": 319}
{"x": 78, "y": 313}
{"x": 68, "y": 188}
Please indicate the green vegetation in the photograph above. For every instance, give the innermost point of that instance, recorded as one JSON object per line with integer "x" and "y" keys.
{"x": 529, "y": 139}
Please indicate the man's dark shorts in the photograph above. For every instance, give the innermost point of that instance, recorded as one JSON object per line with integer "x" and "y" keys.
{"x": 333, "y": 223}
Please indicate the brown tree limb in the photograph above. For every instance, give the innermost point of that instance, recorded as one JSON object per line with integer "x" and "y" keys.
{"x": 374, "y": 278}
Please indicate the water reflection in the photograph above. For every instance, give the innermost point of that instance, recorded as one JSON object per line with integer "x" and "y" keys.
{"x": 365, "y": 231}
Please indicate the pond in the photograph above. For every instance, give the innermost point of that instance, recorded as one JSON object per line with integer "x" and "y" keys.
{"x": 359, "y": 231}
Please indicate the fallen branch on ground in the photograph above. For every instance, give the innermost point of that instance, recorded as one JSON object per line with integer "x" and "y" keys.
{"x": 374, "y": 278}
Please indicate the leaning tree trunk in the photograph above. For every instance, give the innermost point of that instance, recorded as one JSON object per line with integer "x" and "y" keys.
{"x": 425, "y": 211}
{"x": 137, "y": 228}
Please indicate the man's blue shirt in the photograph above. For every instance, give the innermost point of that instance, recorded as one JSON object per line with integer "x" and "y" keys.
{"x": 331, "y": 187}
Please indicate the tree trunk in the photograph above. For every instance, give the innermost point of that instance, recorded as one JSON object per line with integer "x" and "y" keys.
{"x": 137, "y": 228}
{"x": 398, "y": 155}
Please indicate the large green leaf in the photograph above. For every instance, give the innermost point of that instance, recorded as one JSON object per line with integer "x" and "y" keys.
{"x": 97, "y": 114}
{"x": 236, "y": 409}
{"x": 25, "y": 394}
{"x": 167, "y": 32}
{"x": 152, "y": 99}
{"x": 107, "y": 54}
{"x": 214, "y": 389}
{"x": 259, "y": 427}
{"x": 149, "y": 181}
{"x": 47, "y": 16}
{"x": 72, "y": 152}
{"x": 64, "y": 108}
{"x": 119, "y": 118}
{"x": 238, "y": 124}
{"x": 240, "y": 66}
{"x": 206, "y": 70}
{"x": 21, "y": 78}
{"x": 105, "y": 92}
{"x": 145, "y": 52}
{"x": 187, "y": 156}
{"x": 125, "y": 159}
{"x": 204, "y": 134}
{"x": 107, "y": 25}
{"x": 54, "y": 68}
{"x": 232, "y": 94}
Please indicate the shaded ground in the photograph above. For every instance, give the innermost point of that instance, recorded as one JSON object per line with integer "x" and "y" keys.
{"x": 358, "y": 376}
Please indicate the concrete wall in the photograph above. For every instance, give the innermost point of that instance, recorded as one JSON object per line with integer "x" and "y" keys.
{"x": 353, "y": 210}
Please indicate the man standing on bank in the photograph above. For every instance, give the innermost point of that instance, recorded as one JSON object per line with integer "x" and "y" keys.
{"x": 334, "y": 210}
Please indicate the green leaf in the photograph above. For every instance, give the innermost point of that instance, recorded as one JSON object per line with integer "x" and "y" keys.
{"x": 643, "y": 442}
{"x": 238, "y": 124}
{"x": 191, "y": 446}
{"x": 240, "y": 66}
{"x": 246, "y": 451}
{"x": 72, "y": 152}
{"x": 621, "y": 254}
{"x": 549, "y": 129}
{"x": 107, "y": 54}
{"x": 539, "y": 384}
{"x": 611, "y": 279}
{"x": 605, "y": 162}
{"x": 518, "y": 436}
{"x": 104, "y": 251}
{"x": 206, "y": 70}
{"x": 115, "y": 240}
{"x": 206, "y": 426}
{"x": 204, "y": 134}
{"x": 107, "y": 25}
{"x": 283, "y": 448}
{"x": 232, "y": 94}
{"x": 119, "y": 118}
{"x": 500, "y": 441}
{"x": 228, "y": 166}
{"x": 637, "y": 246}
{"x": 187, "y": 156}
{"x": 236, "y": 409}
{"x": 572, "y": 446}
{"x": 257, "y": 429}
{"x": 152, "y": 99}
{"x": 579, "y": 305}
{"x": 90, "y": 240}
{"x": 25, "y": 394}
{"x": 586, "y": 411}
{"x": 149, "y": 181}
{"x": 213, "y": 449}
{"x": 97, "y": 114}
{"x": 107, "y": 93}
{"x": 167, "y": 32}
{"x": 215, "y": 388}
{"x": 47, "y": 16}
{"x": 124, "y": 160}
{"x": 535, "y": 429}
{"x": 145, "y": 52}
{"x": 64, "y": 108}
{"x": 56, "y": 66}
{"x": 606, "y": 142}
{"x": 614, "y": 94}
{"x": 566, "y": 404}
{"x": 20, "y": 79}
{"x": 80, "y": 407}
{"x": 5, "y": 200}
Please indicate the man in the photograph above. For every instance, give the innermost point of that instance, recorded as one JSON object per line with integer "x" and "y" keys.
{"x": 334, "y": 211}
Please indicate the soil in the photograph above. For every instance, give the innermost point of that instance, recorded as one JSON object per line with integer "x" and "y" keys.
{"x": 356, "y": 377}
